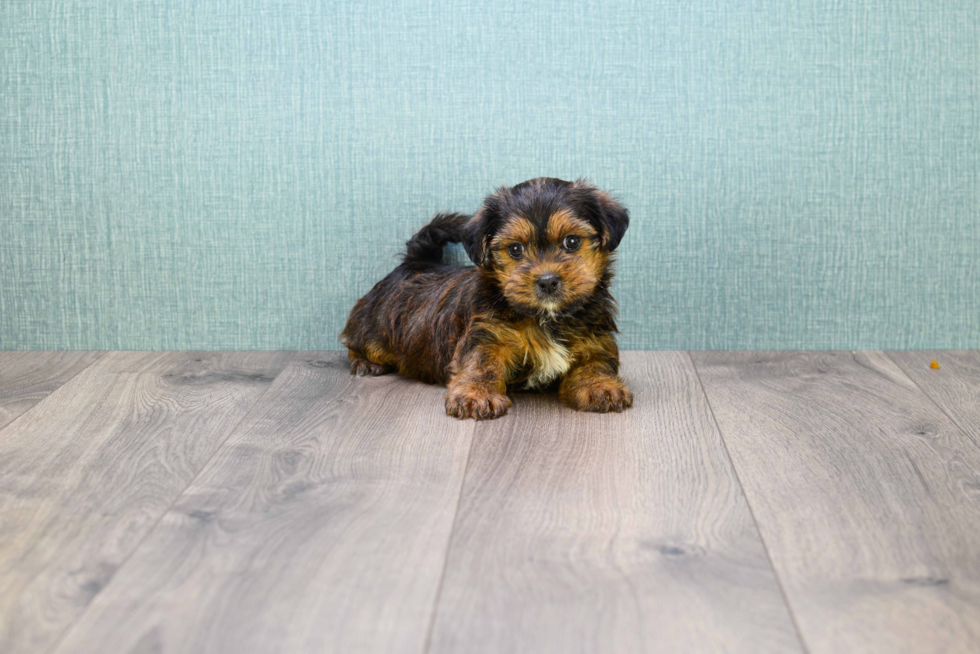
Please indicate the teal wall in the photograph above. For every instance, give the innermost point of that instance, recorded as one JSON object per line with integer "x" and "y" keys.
{"x": 218, "y": 174}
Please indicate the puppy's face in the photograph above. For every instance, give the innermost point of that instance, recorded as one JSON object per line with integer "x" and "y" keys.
{"x": 547, "y": 242}
{"x": 547, "y": 266}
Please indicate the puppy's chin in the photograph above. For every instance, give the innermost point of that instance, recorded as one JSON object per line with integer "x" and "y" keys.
{"x": 550, "y": 309}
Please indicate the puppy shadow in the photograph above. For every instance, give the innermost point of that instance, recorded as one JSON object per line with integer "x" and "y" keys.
{"x": 529, "y": 399}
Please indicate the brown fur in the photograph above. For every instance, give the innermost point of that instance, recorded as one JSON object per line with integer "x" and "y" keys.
{"x": 535, "y": 310}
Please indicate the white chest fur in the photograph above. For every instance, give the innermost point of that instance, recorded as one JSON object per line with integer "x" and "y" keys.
{"x": 549, "y": 359}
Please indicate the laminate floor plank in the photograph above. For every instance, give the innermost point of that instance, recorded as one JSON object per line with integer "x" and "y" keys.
{"x": 608, "y": 533}
{"x": 86, "y": 473}
{"x": 26, "y": 378}
{"x": 866, "y": 494}
{"x": 955, "y": 386}
{"x": 320, "y": 526}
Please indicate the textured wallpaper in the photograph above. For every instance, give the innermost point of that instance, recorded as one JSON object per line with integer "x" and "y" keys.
{"x": 202, "y": 174}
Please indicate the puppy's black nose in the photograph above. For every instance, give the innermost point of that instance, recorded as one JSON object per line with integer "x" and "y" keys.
{"x": 548, "y": 283}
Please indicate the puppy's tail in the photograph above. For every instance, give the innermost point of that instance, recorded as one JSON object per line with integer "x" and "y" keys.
{"x": 426, "y": 245}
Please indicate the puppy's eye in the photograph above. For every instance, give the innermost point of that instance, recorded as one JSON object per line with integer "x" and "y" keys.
{"x": 516, "y": 250}
{"x": 572, "y": 243}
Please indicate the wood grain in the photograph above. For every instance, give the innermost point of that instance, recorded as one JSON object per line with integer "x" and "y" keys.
{"x": 955, "y": 386}
{"x": 321, "y": 526}
{"x": 866, "y": 494}
{"x": 608, "y": 533}
{"x": 26, "y": 378}
{"x": 86, "y": 473}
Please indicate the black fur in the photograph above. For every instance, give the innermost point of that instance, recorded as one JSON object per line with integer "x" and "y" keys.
{"x": 537, "y": 200}
{"x": 427, "y": 244}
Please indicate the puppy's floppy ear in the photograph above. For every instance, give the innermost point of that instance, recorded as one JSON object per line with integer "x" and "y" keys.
{"x": 614, "y": 219}
{"x": 480, "y": 228}
{"x": 608, "y": 216}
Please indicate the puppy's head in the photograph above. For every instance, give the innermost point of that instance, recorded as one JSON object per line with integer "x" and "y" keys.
{"x": 547, "y": 242}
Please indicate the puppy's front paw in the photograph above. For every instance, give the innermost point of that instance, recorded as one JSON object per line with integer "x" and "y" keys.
{"x": 601, "y": 395}
{"x": 476, "y": 403}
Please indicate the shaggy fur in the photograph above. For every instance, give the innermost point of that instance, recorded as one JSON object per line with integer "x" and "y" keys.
{"x": 535, "y": 310}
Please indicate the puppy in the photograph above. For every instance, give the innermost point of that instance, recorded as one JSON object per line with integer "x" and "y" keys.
{"x": 534, "y": 312}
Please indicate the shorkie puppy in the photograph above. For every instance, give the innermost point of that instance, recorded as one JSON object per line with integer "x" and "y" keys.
{"x": 534, "y": 312}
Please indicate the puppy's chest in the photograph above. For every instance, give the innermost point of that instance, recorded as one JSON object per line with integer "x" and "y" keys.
{"x": 545, "y": 357}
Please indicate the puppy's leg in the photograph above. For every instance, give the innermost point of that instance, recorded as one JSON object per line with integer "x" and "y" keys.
{"x": 372, "y": 365}
{"x": 479, "y": 389}
{"x": 593, "y": 383}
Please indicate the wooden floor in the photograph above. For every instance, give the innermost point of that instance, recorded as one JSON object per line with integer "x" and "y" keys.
{"x": 820, "y": 502}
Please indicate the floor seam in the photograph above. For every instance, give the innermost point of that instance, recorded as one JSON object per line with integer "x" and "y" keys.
{"x": 449, "y": 543}
{"x": 748, "y": 504}
{"x": 929, "y": 397}
{"x": 156, "y": 523}
{"x": 100, "y": 353}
